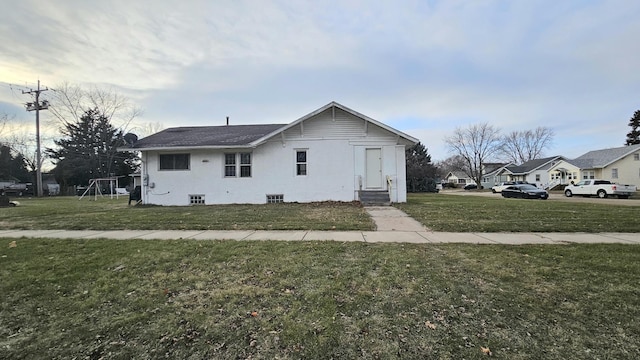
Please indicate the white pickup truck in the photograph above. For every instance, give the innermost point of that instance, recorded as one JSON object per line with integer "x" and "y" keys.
{"x": 600, "y": 188}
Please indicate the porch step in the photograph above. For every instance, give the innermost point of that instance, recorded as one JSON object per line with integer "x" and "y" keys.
{"x": 374, "y": 197}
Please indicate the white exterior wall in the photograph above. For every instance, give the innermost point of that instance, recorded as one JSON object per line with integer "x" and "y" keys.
{"x": 628, "y": 171}
{"x": 335, "y": 166}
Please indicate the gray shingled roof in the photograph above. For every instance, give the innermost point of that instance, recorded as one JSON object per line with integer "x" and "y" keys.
{"x": 531, "y": 165}
{"x": 205, "y": 136}
{"x": 601, "y": 158}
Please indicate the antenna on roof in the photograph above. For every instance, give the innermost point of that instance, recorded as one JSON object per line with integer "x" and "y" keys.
{"x": 227, "y": 121}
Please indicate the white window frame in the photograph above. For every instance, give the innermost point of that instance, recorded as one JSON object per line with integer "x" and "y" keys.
{"x": 300, "y": 163}
{"x": 614, "y": 173}
{"x": 241, "y": 161}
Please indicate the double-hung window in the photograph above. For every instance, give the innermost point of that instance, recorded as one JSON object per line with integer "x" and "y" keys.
{"x": 230, "y": 165}
{"x": 301, "y": 162}
{"x": 174, "y": 161}
{"x": 245, "y": 164}
{"x": 237, "y": 163}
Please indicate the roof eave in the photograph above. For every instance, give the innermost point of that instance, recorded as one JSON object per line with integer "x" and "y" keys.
{"x": 186, "y": 147}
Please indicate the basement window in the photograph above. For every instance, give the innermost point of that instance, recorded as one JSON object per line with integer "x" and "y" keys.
{"x": 273, "y": 199}
{"x": 196, "y": 200}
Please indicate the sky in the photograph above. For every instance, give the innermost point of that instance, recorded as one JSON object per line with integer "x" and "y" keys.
{"x": 423, "y": 67}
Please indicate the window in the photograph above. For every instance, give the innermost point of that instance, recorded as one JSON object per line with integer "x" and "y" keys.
{"x": 174, "y": 161}
{"x": 245, "y": 165}
{"x": 229, "y": 165}
{"x": 636, "y": 156}
{"x": 301, "y": 162}
{"x": 272, "y": 199}
{"x": 614, "y": 173}
{"x": 588, "y": 175}
{"x": 196, "y": 199}
{"x": 462, "y": 181}
{"x": 537, "y": 177}
{"x": 231, "y": 162}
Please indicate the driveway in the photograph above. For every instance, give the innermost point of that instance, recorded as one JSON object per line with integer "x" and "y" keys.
{"x": 553, "y": 196}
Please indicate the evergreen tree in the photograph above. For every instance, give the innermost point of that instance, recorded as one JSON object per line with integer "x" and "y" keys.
{"x": 88, "y": 151}
{"x": 633, "y": 137}
{"x": 13, "y": 167}
{"x": 420, "y": 171}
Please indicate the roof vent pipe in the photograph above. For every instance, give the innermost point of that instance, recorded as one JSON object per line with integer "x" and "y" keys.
{"x": 227, "y": 121}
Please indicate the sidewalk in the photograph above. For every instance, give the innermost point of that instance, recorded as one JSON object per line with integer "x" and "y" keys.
{"x": 422, "y": 237}
{"x": 392, "y": 226}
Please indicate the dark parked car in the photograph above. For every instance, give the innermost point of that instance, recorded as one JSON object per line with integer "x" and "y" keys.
{"x": 524, "y": 191}
{"x": 471, "y": 186}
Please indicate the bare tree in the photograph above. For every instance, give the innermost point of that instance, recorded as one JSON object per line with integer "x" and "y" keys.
{"x": 148, "y": 128}
{"x": 70, "y": 102}
{"x": 522, "y": 146}
{"x": 476, "y": 144}
{"x": 4, "y": 120}
{"x": 450, "y": 164}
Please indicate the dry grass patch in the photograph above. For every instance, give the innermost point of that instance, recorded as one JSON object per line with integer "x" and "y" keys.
{"x": 291, "y": 300}
{"x": 72, "y": 214}
{"x": 454, "y": 213}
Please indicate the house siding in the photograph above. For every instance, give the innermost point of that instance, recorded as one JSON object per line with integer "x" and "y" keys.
{"x": 335, "y": 166}
{"x": 628, "y": 171}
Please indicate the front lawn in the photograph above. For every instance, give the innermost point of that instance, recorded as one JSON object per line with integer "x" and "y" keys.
{"x": 454, "y": 213}
{"x": 141, "y": 299}
{"x": 69, "y": 213}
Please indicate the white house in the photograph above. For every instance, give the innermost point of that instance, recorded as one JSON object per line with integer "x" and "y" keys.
{"x": 620, "y": 165}
{"x": 533, "y": 171}
{"x": 333, "y": 153}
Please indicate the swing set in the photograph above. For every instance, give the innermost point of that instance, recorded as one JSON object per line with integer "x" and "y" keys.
{"x": 96, "y": 185}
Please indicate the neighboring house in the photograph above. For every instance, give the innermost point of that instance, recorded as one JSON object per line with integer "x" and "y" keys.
{"x": 331, "y": 154}
{"x": 458, "y": 177}
{"x": 620, "y": 165}
{"x": 461, "y": 178}
{"x": 533, "y": 171}
{"x": 494, "y": 174}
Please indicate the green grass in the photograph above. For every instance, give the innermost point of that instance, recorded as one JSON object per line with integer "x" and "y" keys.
{"x": 454, "y": 213}
{"x": 91, "y": 299}
{"x": 105, "y": 214}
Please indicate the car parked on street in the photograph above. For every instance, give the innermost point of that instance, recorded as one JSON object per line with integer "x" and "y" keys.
{"x": 599, "y": 188}
{"x": 503, "y": 185}
{"x": 471, "y": 186}
{"x": 524, "y": 191}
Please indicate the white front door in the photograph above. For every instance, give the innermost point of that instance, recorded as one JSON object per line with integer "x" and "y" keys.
{"x": 373, "y": 176}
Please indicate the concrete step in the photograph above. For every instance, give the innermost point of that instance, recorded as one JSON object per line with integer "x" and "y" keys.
{"x": 374, "y": 197}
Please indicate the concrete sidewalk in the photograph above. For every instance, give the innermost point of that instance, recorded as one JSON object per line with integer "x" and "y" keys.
{"x": 423, "y": 237}
{"x": 392, "y": 226}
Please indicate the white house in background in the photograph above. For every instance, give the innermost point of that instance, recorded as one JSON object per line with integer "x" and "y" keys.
{"x": 533, "y": 171}
{"x": 458, "y": 177}
{"x": 331, "y": 154}
{"x": 619, "y": 165}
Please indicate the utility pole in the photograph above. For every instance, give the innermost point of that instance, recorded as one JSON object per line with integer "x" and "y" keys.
{"x": 37, "y": 106}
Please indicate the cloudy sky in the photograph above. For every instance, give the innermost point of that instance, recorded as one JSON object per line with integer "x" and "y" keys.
{"x": 423, "y": 67}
